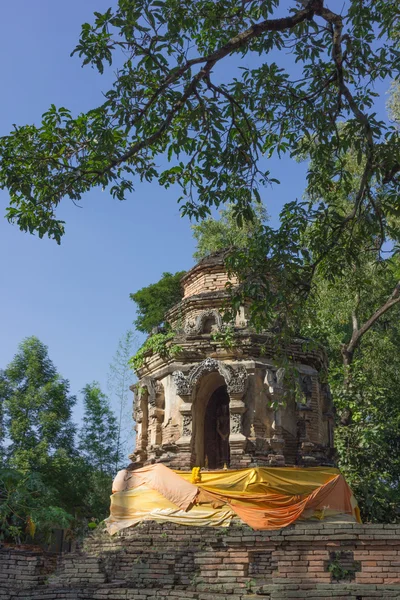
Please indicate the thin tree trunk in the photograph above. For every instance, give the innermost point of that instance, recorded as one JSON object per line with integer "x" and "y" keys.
{"x": 348, "y": 350}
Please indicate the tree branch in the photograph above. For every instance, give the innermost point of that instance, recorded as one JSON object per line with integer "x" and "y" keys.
{"x": 393, "y": 299}
{"x": 237, "y": 42}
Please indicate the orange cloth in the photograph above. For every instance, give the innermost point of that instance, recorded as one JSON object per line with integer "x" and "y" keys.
{"x": 264, "y": 498}
{"x": 275, "y": 511}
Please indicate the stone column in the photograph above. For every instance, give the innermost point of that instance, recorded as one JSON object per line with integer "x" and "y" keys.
{"x": 236, "y": 380}
{"x": 237, "y": 441}
{"x": 156, "y": 415}
{"x": 184, "y": 390}
{"x": 275, "y": 383}
{"x": 307, "y": 446}
{"x": 141, "y": 416}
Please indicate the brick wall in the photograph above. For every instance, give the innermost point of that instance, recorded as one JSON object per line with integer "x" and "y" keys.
{"x": 213, "y": 279}
{"x": 23, "y": 569}
{"x": 308, "y": 561}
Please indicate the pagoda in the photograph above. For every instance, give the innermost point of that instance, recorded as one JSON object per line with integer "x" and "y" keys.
{"x": 227, "y": 406}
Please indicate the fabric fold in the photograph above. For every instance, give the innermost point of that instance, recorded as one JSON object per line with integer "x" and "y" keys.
{"x": 263, "y": 498}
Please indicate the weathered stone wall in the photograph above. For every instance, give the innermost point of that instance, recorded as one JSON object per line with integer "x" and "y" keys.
{"x": 308, "y": 561}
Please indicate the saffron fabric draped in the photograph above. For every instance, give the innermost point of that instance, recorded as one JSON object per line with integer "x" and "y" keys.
{"x": 264, "y": 498}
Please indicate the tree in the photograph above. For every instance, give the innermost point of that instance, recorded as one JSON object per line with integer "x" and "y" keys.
{"x": 39, "y": 433}
{"x": 120, "y": 377}
{"x": 358, "y": 324}
{"x": 218, "y": 234}
{"x": 365, "y": 392}
{"x": 27, "y": 507}
{"x": 154, "y": 300}
{"x": 38, "y": 408}
{"x": 97, "y": 437}
{"x": 44, "y": 482}
{"x": 167, "y": 99}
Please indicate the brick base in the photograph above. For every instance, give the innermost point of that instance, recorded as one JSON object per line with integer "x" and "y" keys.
{"x": 308, "y": 561}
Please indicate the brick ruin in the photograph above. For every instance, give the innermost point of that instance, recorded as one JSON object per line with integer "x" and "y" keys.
{"x": 154, "y": 561}
{"x": 217, "y": 406}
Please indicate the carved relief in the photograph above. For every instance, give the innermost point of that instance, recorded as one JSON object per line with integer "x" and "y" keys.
{"x": 159, "y": 388}
{"x": 274, "y": 380}
{"x": 238, "y": 380}
{"x": 236, "y": 423}
{"x": 235, "y": 379}
{"x": 196, "y": 326}
{"x": 160, "y": 395}
{"x": 187, "y": 425}
{"x": 183, "y": 387}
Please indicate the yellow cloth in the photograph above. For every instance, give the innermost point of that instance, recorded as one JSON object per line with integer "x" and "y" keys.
{"x": 145, "y": 504}
{"x": 264, "y": 498}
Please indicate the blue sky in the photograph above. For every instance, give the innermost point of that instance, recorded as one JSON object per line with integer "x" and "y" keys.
{"x": 75, "y": 297}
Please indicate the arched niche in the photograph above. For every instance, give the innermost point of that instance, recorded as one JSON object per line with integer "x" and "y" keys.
{"x": 205, "y": 323}
{"x": 206, "y": 387}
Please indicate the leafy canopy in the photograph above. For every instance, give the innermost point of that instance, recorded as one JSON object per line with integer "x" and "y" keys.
{"x": 45, "y": 482}
{"x": 38, "y": 407}
{"x": 153, "y": 301}
{"x": 218, "y": 234}
{"x": 368, "y": 444}
{"x": 218, "y": 133}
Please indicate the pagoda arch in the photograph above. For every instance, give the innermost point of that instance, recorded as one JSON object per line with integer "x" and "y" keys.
{"x": 222, "y": 385}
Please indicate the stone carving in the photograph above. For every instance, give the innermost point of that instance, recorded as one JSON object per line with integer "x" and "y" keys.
{"x": 236, "y": 423}
{"x": 160, "y": 395}
{"x": 196, "y": 326}
{"x": 182, "y": 383}
{"x": 187, "y": 422}
{"x": 207, "y": 366}
{"x": 235, "y": 379}
{"x": 238, "y": 380}
{"x": 274, "y": 380}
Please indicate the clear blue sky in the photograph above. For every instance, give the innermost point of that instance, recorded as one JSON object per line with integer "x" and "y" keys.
{"x": 75, "y": 297}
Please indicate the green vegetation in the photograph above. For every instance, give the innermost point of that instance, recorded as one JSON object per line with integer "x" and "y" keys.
{"x": 340, "y": 573}
{"x": 365, "y": 388}
{"x": 99, "y": 428}
{"x": 226, "y": 231}
{"x": 119, "y": 380}
{"x": 158, "y": 343}
{"x": 155, "y": 300}
{"x": 48, "y": 478}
